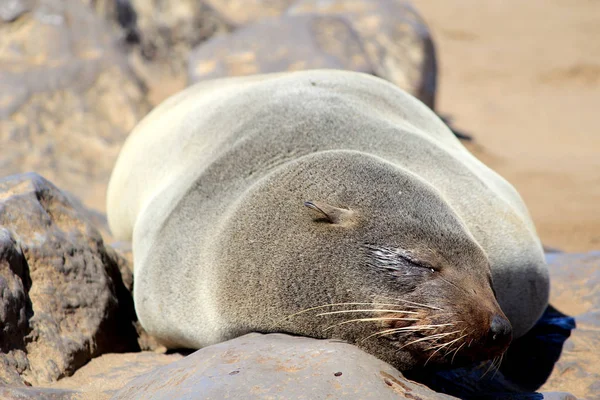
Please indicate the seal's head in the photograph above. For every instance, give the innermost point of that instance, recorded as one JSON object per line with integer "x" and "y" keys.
{"x": 341, "y": 244}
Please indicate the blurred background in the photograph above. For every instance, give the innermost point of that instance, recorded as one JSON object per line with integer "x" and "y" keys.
{"x": 518, "y": 81}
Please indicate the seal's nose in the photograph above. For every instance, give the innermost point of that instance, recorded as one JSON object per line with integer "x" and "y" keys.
{"x": 500, "y": 332}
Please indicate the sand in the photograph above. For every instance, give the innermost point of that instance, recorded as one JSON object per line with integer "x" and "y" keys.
{"x": 523, "y": 78}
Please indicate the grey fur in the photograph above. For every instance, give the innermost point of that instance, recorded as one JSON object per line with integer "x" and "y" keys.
{"x": 211, "y": 188}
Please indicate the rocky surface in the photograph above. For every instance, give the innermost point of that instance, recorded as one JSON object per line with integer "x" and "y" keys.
{"x": 238, "y": 13}
{"x": 62, "y": 296}
{"x": 104, "y": 376}
{"x": 157, "y": 35}
{"x": 97, "y": 380}
{"x": 385, "y": 38}
{"x": 67, "y": 96}
{"x": 576, "y": 291}
{"x": 396, "y": 39}
{"x": 258, "y": 366}
{"x": 264, "y": 47}
{"x": 166, "y": 32}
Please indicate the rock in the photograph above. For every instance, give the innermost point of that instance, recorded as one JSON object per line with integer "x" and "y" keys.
{"x": 10, "y": 10}
{"x": 158, "y": 36}
{"x": 97, "y": 380}
{"x": 168, "y": 31}
{"x": 171, "y": 29}
{"x": 26, "y": 393}
{"x": 238, "y": 13}
{"x": 105, "y": 375}
{"x": 575, "y": 282}
{"x": 67, "y": 97}
{"x": 120, "y": 13}
{"x": 280, "y": 44}
{"x": 385, "y": 38}
{"x": 396, "y": 39}
{"x": 257, "y": 366}
{"x": 63, "y": 300}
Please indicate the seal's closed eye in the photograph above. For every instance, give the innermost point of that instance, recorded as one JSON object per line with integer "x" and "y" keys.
{"x": 395, "y": 260}
{"x": 331, "y": 214}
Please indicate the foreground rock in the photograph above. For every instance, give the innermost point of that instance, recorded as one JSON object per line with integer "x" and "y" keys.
{"x": 67, "y": 96}
{"x": 575, "y": 291}
{"x": 97, "y": 380}
{"x": 258, "y": 366}
{"x": 104, "y": 376}
{"x": 63, "y": 300}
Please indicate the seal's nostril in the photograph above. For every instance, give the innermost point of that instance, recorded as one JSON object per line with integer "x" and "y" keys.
{"x": 500, "y": 329}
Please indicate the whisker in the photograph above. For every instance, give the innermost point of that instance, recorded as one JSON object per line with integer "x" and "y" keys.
{"x": 372, "y": 319}
{"x": 405, "y": 329}
{"x": 413, "y": 303}
{"x": 420, "y": 328}
{"x": 439, "y": 346}
{"x": 371, "y": 310}
{"x": 337, "y": 304}
{"x": 449, "y": 344}
{"x": 489, "y": 368}
{"x": 445, "y": 344}
{"x": 456, "y": 352}
{"x": 428, "y": 338}
{"x": 499, "y": 365}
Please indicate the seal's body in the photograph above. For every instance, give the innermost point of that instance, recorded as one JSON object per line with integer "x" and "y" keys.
{"x": 402, "y": 222}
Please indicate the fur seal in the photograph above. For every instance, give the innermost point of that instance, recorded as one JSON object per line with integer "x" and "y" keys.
{"x": 322, "y": 203}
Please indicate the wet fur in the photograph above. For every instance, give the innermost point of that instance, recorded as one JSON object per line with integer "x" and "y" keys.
{"x": 211, "y": 188}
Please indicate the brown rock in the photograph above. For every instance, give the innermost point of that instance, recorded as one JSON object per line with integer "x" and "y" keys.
{"x": 280, "y": 44}
{"x": 396, "y": 40}
{"x": 104, "y": 375}
{"x": 159, "y": 35}
{"x": 168, "y": 31}
{"x": 67, "y": 97}
{"x": 29, "y": 393}
{"x": 575, "y": 281}
{"x": 242, "y": 12}
{"x": 258, "y": 366}
{"x": 10, "y": 10}
{"x": 97, "y": 380}
{"x": 63, "y": 298}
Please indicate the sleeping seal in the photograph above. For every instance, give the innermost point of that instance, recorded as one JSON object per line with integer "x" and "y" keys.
{"x": 327, "y": 204}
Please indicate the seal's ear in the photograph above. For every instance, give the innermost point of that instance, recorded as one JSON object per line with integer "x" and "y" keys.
{"x": 334, "y": 215}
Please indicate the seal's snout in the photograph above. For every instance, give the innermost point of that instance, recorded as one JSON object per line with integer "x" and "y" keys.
{"x": 500, "y": 333}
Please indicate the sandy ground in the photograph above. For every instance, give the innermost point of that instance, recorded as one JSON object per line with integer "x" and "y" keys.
{"x": 523, "y": 78}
